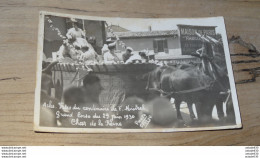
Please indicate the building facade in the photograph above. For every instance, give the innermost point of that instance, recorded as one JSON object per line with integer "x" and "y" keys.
{"x": 157, "y": 42}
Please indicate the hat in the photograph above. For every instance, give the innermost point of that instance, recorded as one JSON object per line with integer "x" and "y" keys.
{"x": 129, "y": 48}
{"x": 73, "y": 20}
{"x": 108, "y": 39}
{"x": 112, "y": 45}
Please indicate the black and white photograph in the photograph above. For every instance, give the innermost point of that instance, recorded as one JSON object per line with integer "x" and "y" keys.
{"x": 113, "y": 75}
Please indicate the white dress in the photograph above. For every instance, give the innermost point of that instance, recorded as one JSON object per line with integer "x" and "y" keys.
{"x": 109, "y": 58}
{"x": 73, "y": 33}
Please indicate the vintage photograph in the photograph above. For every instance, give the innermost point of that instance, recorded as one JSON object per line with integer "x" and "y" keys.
{"x": 104, "y": 74}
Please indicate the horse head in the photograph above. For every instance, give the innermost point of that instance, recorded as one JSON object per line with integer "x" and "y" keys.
{"x": 154, "y": 79}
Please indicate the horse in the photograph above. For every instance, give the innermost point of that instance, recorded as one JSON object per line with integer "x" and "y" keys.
{"x": 188, "y": 84}
{"x": 218, "y": 71}
{"x": 213, "y": 64}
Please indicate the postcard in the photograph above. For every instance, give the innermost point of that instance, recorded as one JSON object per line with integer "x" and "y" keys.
{"x": 116, "y": 75}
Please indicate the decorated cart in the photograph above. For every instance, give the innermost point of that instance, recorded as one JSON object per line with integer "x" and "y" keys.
{"x": 119, "y": 80}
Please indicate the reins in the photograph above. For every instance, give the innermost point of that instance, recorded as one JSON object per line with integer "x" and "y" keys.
{"x": 167, "y": 94}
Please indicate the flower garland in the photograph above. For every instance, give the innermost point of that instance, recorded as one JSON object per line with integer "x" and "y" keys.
{"x": 54, "y": 28}
{"x": 60, "y": 34}
{"x": 121, "y": 43}
{"x": 79, "y": 62}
